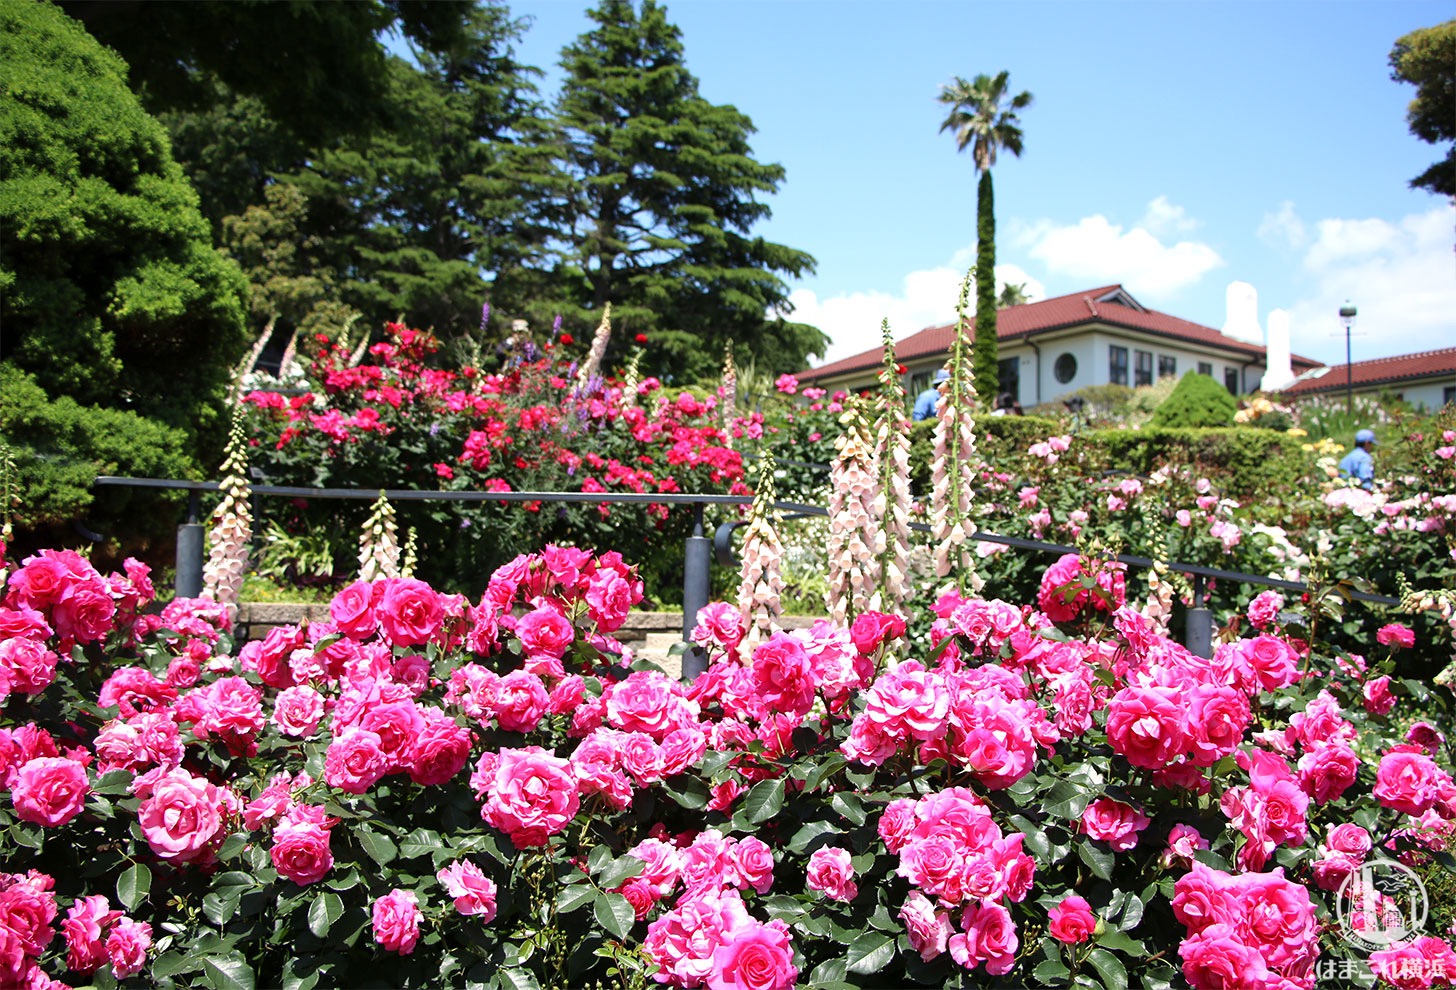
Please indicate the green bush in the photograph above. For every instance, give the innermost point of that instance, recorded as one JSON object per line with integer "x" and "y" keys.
{"x": 112, "y": 292}
{"x": 1242, "y": 463}
{"x": 1198, "y": 401}
{"x": 61, "y": 446}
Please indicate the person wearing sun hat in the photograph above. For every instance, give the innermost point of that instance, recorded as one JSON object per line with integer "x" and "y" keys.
{"x": 925, "y": 401}
{"x": 1358, "y": 463}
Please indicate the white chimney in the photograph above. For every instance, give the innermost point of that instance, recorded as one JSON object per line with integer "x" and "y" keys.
{"x": 1279, "y": 372}
{"x": 1242, "y": 305}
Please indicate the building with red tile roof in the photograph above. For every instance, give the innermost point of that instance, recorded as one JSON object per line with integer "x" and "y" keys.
{"x": 1427, "y": 378}
{"x": 1054, "y": 347}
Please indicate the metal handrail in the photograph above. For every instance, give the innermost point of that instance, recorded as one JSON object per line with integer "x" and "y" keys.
{"x": 699, "y": 547}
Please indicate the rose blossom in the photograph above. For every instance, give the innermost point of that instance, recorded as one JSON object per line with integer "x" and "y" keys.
{"x": 1072, "y": 920}
{"x": 532, "y": 795}
{"x": 355, "y": 760}
{"x": 929, "y": 930}
{"x": 410, "y": 613}
{"x": 1114, "y": 822}
{"x": 126, "y": 947}
{"x": 474, "y": 892}
{"x": 1378, "y": 698}
{"x": 1408, "y": 782}
{"x": 831, "y": 872}
{"x": 397, "y": 920}
{"x": 297, "y": 711}
{"x": 1145, "y": 724}
{"x": 301, "y": 852}
{"x": 1395, "y": 634}
{"x": 180, "y": 814}
{"x": 50, "y": 791}
{"x": 755, "y": 957}
{"x": 86, "y": 920}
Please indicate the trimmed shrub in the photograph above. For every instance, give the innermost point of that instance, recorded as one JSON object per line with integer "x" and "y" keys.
{"x": 1198, "y": 401}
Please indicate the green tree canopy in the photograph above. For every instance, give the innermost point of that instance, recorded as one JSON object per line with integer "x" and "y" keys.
{"x": 316, "y": 66}
{"x": 1197, "y": 401}
{"x": 664, "y": 198}
{"x": 1427, "y": 60}
{"x": 112, "y": 292}
{"x": 983, "y": 117}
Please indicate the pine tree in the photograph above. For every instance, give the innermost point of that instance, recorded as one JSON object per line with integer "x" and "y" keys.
{"x": 664, "y": 197}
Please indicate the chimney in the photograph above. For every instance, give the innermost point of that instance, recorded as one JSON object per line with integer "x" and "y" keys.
{"x": 1242, "y": 305}
{"x": 1279, "y": 372}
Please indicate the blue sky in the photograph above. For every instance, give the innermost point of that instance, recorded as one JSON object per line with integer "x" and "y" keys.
{"x": 1173, "y": 147}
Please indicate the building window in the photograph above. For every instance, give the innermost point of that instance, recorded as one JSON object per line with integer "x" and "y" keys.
{"x": 1066, "y": 368}
{"x": 1205, "y": 368}
{"x": 1117, "y": 365}
{"x": 1231, "y": 380}
{"x": 1008, "y": 375}
{"x": 1448, "y": 395}
{"x": 1167, "y": 366}
{"x": 1144, "y": 368}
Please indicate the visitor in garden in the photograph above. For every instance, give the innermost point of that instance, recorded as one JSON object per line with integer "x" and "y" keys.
{"x": 1358, "y": 463}
{"x": 1006, "y": 405}
{"x": 925, "y": 401}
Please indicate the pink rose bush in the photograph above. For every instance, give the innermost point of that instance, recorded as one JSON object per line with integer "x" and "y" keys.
{"x": 424, "y": 786}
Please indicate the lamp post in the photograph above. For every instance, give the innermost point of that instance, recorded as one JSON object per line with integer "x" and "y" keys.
{"x": 1347, "y": 317}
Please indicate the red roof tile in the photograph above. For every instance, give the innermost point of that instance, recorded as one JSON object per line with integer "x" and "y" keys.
{"x": 1088, "y": 306}
{"x": 1377, "y": 371}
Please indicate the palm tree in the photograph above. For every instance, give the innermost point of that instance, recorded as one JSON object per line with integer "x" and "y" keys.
{"x": 983, "y": 116}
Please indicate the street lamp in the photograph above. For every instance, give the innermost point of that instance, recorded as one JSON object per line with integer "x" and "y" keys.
{"x": 1347, "y": 317}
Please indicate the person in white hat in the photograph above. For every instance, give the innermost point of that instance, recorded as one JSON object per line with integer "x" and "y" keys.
{"x": 1358, "y": 463}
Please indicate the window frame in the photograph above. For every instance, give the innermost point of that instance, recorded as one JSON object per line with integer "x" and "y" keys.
{"x": 1116, "y": 364}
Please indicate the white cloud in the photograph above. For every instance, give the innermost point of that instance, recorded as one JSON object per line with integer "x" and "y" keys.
{"x": 1164, "y": 217}
{"x": 1398, "y": 274}
{"x": 1283, "y": 227}
{"x": 1095, "y": 250}
{"x": 927, "y": 298}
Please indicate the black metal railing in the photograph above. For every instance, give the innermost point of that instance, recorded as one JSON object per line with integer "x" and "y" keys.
{"x": 699, "y": 549}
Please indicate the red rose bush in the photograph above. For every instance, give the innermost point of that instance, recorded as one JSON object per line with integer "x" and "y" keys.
{"x": 427, "y": 789}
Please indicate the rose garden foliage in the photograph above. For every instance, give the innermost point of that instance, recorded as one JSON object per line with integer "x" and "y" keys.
{"x": 485, "y": 792}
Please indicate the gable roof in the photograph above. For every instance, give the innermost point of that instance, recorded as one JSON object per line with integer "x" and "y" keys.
{"x": 1110, "y": 305}
{"x": 1376, "y": 371}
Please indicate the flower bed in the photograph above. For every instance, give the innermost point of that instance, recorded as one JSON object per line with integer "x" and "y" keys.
{"x": 427, "y": 791}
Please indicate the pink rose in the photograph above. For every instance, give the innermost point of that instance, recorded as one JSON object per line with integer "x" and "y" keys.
{"x": 533, "y": 795}
{"x": 1218, "y": 715}
{"x": 929, "y": 930}
{"x": 1072, "y": 920}
{"x": 126, "y": 947}
{"x": 1274, "y": 664}
{"x": 301, "y": 852}
{"x": 180, "y": 815}
{"x": 1326, "y": 771}
{"x": 410, "y": 613}
{"x": 474, "y": 892}
{"x": 397, "y": 918}
{"x": 1145, "y": 724}
{"x": 1114, "y": 822}
{"x": 990, "y": 937}
{"x": 1264, "y": 609}
{"x": 1183, "y": 841}
{"x": 753, "y": 861}
{"x": 782, "y": 675}
{"x": 1408, "y": 782}
{"x": 85, "y": 923}
{"x": 297, "y": 711}
{"x": 1216, "y": 957}
{"x": 85, "y": 614}
{"x": 1395, "y": 634}
{"x": 545, "y": 632}
{"x": 870, "y": 629}
{"x": 831, "y": 873}
{"x": 353, "y": 611}
{"x": 520, "y": 701}
{"x": 439, "y": 750}
{"x": 50, "y": 791}
{"x": 1378, "y": 699}
{"x": 355, "y": 760}
{"x": 755, "y": 957}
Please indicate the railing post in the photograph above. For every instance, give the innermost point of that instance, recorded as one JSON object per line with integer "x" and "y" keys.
{"x": 696, "y": 588}
{"x": 188, "y": 583}
{"x": 1198, "y": 636}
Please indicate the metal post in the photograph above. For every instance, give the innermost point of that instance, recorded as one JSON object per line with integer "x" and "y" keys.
{"x": 696, "y": 587}
{"x": 190, "y": 543}
{"x": 1198, "y": 636}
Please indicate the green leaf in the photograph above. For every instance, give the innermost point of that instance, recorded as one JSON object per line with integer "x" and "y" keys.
{"x": 232, "y": 846}
{"x": 1116, "y": 938}
{"x": 114, "y": 782}
{"x": 1110, "y": 968}
{"x": 172, "y": 963}
{"x": 1068, "y": 799}
{"x": 221, "y": 905}
{"x": 381, "y": 848}
{"x": 764, "y": 800}
{"x": 1051, "y": 971}
{"x": 598, "y": 859}
{"x": 230, "y": 972}
{"x": 1099, "y": 860}
{"x": 518, "y": 979}
{"x": 688, "y": 791}
{"x": 850, "y": 806}
{"x": 870, "y": 952}
{"x": 714, "y": 761}
{"x": 615, "y": 913}
{"x": 823, "y": 770}
{"x": 621, "y": 870}
{"x": 133, "y": 886}
{"x": 326, "y": 909}
{"x": 574, "y": 896}
{"x": 420, "y": 842}
{"x": 806, "y": 839}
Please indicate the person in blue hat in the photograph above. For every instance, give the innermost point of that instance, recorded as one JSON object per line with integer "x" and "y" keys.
{"x": 1358, "y": 463}
{"x": 925, "y": 401}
